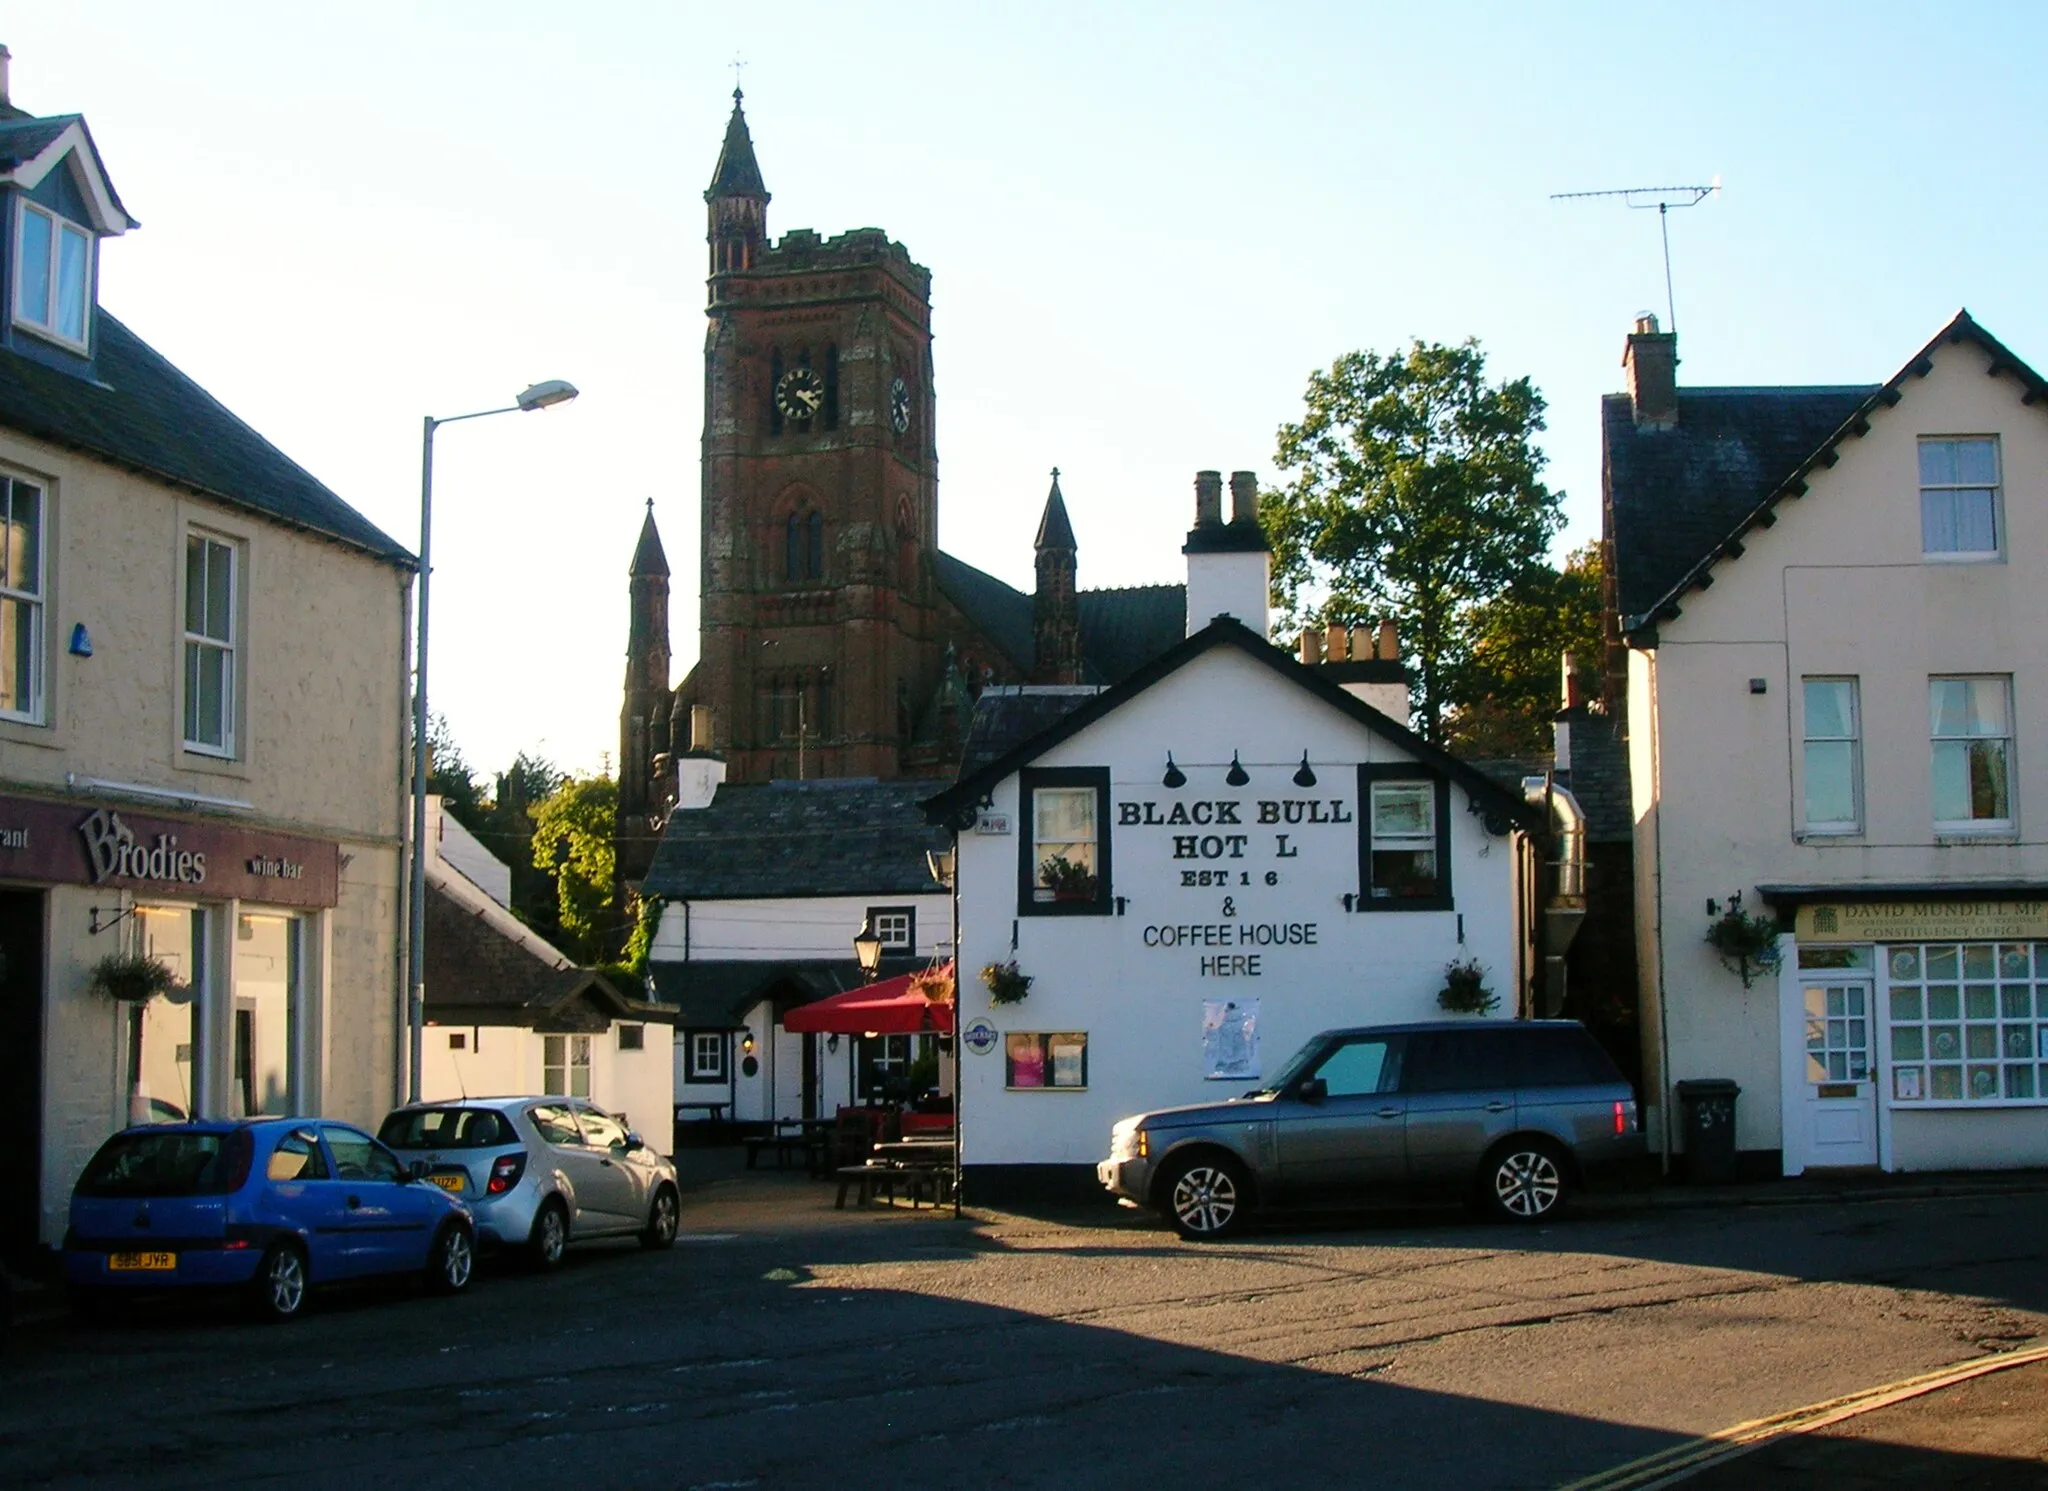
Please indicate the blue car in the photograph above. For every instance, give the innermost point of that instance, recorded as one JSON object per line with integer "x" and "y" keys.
{"x": 268, "y": 1206}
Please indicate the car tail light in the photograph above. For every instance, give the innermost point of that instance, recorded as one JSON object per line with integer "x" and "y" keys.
{"x": 505, "y": 1172}
{"x": 1625, "y": 1116}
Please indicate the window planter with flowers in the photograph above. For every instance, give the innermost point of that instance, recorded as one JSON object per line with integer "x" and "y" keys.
{"x": 1066, "y": 880}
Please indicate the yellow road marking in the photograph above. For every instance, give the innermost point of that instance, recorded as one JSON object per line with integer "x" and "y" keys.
{"x": 1670, "y": 1466}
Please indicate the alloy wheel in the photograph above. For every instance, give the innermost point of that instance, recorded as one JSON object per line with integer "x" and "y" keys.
{"x": 1205, "y": 1198}
{"x": 1527, "y": 1184}
{"x": 284, "y": 1283}
{"x": 662, "y": 1229}
{"x": 554, "y": 1236}
{"x": 458, "y": 1260}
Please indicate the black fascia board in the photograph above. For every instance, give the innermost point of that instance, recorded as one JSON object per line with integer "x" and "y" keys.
{"x": 1782, "y": 896}
{"x": 1962, "y": 328}
{"x": 946, "y": 807}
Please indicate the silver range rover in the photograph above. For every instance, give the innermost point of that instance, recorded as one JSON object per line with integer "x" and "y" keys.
{"x": 1515, "y": 1114}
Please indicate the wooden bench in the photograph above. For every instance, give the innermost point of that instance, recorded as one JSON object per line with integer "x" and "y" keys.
{"x": 917, "y": 1181}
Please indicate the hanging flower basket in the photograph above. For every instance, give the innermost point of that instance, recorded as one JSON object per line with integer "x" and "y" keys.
{"x": 134, "y": 979}
{"x": 935, "y": 985}
{"x": 1748, "y": 945}
{"x": 1464, "y": 991}
{"x": 1007, "y": 984}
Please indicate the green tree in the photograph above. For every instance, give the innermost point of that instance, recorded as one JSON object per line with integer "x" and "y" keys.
{"x": 1507, "y": 691}
{"x": 449, "y": 775}
{"x": 572, "y": 836}
{"x": 1416, "y": 496}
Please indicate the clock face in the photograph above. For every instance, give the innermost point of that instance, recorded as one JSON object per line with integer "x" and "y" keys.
{"x": 799, "y": 395}
{"x": 899, "y": 406}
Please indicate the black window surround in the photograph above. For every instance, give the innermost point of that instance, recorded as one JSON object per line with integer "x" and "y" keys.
{"x": 1029, "y": 781}
{"x": 1443, "y": 900}
{"x": 706, "y": 1072}
{"x": 906, "y": 943}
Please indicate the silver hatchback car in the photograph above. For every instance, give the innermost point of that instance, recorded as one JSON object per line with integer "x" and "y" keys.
{"x": 540, "y": 1172}
{"x": 1512, "y": 1112}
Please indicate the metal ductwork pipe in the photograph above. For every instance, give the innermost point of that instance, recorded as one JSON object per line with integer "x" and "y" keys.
{"x": 1565, "y": 911}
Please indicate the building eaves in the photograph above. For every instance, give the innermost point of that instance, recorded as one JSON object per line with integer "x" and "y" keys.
{"x": 954, "y": 806}
{"x": 1638, "y": 627}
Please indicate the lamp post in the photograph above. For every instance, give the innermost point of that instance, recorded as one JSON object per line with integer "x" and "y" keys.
{"x": 539, "y": 396}
{"x": 867, "y": 951}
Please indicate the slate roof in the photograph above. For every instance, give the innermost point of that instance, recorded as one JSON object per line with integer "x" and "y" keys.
{"x": 1675, "y": 493}
{"x": 472, "y": 966}
{"x": 1599, "y": 777}
{"x": 25, "y": 137}
{"x": 142, "y": 413}
{"x": 1003, "y": 717}
{"x": 1681, "y": 500}
{"x": 847, "y": 837}
{"x": 955, "y": 802}
{"x": 737, "y": 173}
{"x": 1121, "y": 630}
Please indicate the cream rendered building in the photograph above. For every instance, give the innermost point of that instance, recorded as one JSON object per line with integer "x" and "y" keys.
{"x": 202, "y": 728}
{"x": 1834, "y": 603}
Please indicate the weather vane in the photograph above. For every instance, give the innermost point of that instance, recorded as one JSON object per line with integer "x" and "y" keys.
{"x": 737, "y": 64}
{"x": 1663, "y": 198}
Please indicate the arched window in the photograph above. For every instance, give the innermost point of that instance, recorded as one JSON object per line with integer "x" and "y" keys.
{"x": 814, "y": 567}
{"x": 793, "y": 549}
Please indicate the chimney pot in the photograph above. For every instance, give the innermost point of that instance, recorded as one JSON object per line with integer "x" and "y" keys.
{"x": 1651, "y": 360}
{"x": 1208, "y": 498}
{"x": 1389, "y": 646}
{"x": 1569, "y": 666}
{"x": 6, "y": 57}
{"x": 1336, "y": 642}
{"x": 1311, "y": 651}
{"x": 1244, "y": 497}
{"x": 700, "y": 727}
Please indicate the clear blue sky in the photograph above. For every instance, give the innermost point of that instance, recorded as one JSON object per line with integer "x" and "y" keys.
{"x": 1145, "y": 223}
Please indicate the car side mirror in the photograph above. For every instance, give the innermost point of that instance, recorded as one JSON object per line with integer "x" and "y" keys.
{"x": 1313, "y": 1091}
{"x": 417, "y": 1170}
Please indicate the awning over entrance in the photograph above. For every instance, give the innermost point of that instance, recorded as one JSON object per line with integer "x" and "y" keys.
{"x": 891, "y": 1007}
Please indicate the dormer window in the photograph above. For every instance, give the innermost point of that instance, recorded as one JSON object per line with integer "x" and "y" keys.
{"x": 53, "y": 286}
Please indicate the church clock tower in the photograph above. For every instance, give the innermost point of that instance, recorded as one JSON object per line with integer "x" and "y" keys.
{"x": 818, "y": 643}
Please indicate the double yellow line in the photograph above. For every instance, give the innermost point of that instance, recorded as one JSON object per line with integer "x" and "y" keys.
{"x": 1681, "y": 1461}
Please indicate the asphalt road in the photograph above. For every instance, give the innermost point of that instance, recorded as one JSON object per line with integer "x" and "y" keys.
{"x": 781, "y": 1344}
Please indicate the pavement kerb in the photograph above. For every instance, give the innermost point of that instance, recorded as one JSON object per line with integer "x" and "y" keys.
{"x": 1681, "y": 1462}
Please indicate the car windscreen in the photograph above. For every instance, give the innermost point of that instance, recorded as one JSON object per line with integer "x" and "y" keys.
{"x": 172, "y": 1164}
{"x": 451, "y": 1127}
{"x": 1296, "y": 1064}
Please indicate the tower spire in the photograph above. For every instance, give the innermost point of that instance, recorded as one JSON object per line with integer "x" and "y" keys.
{"x": 1055, "y": 607}
{"x": 737, "y": 199}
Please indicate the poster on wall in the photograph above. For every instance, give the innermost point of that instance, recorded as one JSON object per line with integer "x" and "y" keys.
{"x": 1230, "y": 1039}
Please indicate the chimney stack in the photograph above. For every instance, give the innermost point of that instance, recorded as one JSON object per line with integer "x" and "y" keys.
{"x": 1651, "y": 360}
{"x": 700, "y": 773}
{"x": 1229, "y": 564}
{"x": 700, "y": 727}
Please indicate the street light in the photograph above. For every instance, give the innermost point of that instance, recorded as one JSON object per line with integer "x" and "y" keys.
{"x": 867, "y": 949}
{"x": 539, "y": 396}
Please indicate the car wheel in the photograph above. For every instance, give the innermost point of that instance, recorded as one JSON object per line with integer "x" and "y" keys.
{"x": 661, "y": 1219}
{"x": 1207, "y": 1197}
{"x": 1524, "y": 1181}
{"x": 550, "y": 1236}
{"x": 452, "y": 1260}
{"x": 279, "y": 1288}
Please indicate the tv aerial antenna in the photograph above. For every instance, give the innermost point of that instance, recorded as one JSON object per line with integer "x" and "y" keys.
{"x": 1663, "y": 198}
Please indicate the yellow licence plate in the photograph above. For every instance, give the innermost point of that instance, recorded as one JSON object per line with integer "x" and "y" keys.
{"x": 150, "y": 1263}
{"x": 447, "y": 1182}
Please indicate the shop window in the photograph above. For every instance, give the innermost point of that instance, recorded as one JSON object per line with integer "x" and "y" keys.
{"x": 1032, "y": 1060}
{"x": 269, "y": 1015}
{"x": 565, "y": 1065}
{"x": 22, "y": 616}
{"x": 1970, "y": 720}
{"x": 1405, "y": 840}
{"x": 1833, "y": 759}
{"x": 53, "y": 287}
{"x": 164, "y": 1035}
{"x": 706, "y": 1053}
{"x": 1967, "y": 1023}
{"x": 211, "y": 645}
{"x": 896, "y": 926}
{"x": 1064, "y": 862}
{"x": 1959, "y": 499}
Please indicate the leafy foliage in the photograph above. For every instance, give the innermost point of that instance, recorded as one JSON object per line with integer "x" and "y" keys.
{"x": 572, "y": 836}
{"x": 1464, "y": 991}
{"x": 1416, "y": 497}
{"x": 133, "y": 978}
{"x": 1007, "y": 983}
{"x": 1503, "y": 695}
{"x": 449, "y": 775}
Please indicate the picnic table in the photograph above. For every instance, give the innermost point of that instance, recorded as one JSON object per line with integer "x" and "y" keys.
{"x": 920, "y": 1167}
{"x": 806, "y": 1138}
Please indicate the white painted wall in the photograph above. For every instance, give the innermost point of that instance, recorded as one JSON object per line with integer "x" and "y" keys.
{"x": 1229, "y": 584}
{"x": 775, "y": 930}
{"x": 1141, "y": 1006}
{"x": 1837, "y": 587}
{"x": 507, "y": 1060}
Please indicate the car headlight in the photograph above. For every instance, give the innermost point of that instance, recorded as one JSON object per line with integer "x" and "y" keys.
{"x": 1128, "y": 1141}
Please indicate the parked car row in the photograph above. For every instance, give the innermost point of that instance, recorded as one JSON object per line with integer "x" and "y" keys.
{"x": 1514, "y": 1115}
{"x": 274, "y": 1207}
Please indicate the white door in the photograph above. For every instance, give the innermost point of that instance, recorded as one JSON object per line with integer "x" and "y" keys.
{"x": 1836, "y": 1123}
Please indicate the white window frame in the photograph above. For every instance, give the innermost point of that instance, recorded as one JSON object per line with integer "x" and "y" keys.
{"x": 196, "y": 644}
{"x": 48, "y": 325}
{"x": 1997, "y": 488}
{"x": 1853, "y": 824}
{"x": 35, "y": 599}
{"x": 896, "y": 926}
{"x": 1937, "y": 1011}
{"x": 561, "y": 1058}
{"x": 1424, "y": 841}
{"x": 1965, "y": 827}
{"x": 700, "y": 1069}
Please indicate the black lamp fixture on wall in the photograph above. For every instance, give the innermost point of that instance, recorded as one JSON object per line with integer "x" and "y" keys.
{"x": 1237, "y": 776}
{"x": 1174, "y": 777}
{"x": 1305, "y": 777}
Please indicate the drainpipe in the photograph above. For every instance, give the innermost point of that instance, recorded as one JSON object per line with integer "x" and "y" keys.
{"x": 402, "y": 944}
